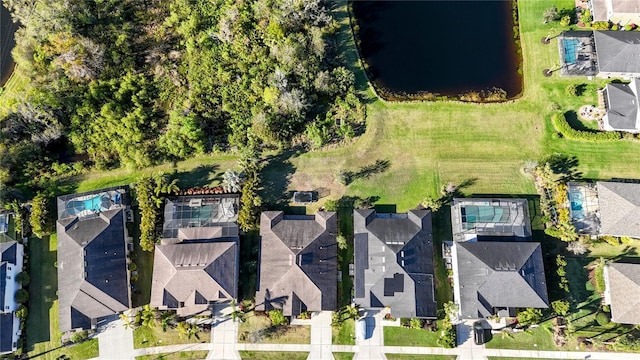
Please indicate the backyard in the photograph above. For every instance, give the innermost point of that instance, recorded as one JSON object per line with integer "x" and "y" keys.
{"x": 43, "y": 334}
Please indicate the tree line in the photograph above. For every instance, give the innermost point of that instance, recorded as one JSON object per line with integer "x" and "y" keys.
{"x": 132, "y": 83}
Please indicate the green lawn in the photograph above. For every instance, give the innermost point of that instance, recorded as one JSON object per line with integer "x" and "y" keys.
{"x": 12, "y": 92}
{"x": 512, "y": 358}
{"x": 43, "y": 334}
{"x": 269, "y": 355}
{"x": 256, "y": 327}
{"x": 401, "y": 336}
{"x": 419, "y": 357}
{"x": 533, "y": 339}
{"x": 149, "y": 337}
{"x": 176, "y": 356}
{"x": 345, "y": 333}
{"x": 343, "y": 356}
{"x": 432, "y": 143}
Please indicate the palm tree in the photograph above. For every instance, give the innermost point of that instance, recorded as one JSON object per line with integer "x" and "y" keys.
{"x": 186, "y": 330}
{"x": 236, "y": 314}
{"x": 147, "y": 316}
{"x": 126, "y": 321}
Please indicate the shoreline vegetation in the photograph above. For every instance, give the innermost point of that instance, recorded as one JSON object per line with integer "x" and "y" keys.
{"x": 488, "y": 95}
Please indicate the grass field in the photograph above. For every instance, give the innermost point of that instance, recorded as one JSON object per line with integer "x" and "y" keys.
{"x": 256, "y": 327}
{"x": 267, "y": 355}
{"x": 43, "y": 333}
{"x": 419, "y": 357}
{"x": 401, "y": 336}
{"x": 343, "y": 356}
{"x": 148, "y": 337}
{"x": 345, "y": 334}
{"x": 192, "y": 355}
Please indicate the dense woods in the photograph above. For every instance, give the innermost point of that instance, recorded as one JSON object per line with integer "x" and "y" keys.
{"x": 131, "y": 82}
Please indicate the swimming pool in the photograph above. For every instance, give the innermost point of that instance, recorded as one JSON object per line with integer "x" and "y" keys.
{"x": 570, "y": 50}
{"x": 576, "y": 200}
{"x": 484, "y": 214}
{"x": 93, "y": 204}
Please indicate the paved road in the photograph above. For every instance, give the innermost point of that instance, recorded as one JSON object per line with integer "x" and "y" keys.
{"x": 321, "y": 336}
{"x": 115, "y": 342}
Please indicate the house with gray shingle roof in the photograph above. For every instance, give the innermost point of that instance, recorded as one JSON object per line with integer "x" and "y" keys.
{"x": 619, "y": 208}
{"x": 495, "y": 278}
{"x": 618, "y": 53}
{"x": 622, "y": 293}
{"x": 93, "y": 280}
{"x": 196, "y": 265}
{"x": 621, "y": 12}
{"x": 297, "y": 262}
{"x": 394, "y": 262}
{"x": 621, "y": 103}
{"x": 11, "y": 261}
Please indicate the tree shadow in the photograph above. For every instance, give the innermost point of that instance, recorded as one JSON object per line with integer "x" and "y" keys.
{"x": 563, "y": 165}
{"x": 249, "y": 245}
{"x": 367, "y": 171}
{"x": 276, "y": 177}
{"x": 574, "y": 122}
{"x": 198, "y": 176}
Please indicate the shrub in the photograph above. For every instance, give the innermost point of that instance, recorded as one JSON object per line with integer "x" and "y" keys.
{"x": 415, "y": 323}
{"x": 600, "y": 25}
{"x": 529, "y": 316}
{"x": 572, "y": 90}
{"x": 602, "y": 318}
{"x": 565, "y": 21}
{"x": 277, "y": 318}
{"x": 22, "y": 296}
{"x": 599, "y": 277}
{"x": 342, "y": 242}
{"x": 560, "y": 307}
{"x": 611, "y": 240}
{"x": 586, "y": 17}
{"x": 132, "y": 266}
{"x": 40, "y": 219}
{"x": 22, "y": 312}
{"x": 550, "y": 14}
{"x": 23, "y": 278}
{"x": 79, "y": 336}
{"x": 561, "y": 125}
{"x": 615, "y": 27}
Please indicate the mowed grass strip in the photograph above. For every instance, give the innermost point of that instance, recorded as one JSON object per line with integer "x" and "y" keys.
{"x": 271, "y": 355}
{"x": 43, "y": 331}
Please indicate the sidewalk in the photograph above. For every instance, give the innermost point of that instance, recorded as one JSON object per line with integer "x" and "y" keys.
{"x": 321, "y": 336}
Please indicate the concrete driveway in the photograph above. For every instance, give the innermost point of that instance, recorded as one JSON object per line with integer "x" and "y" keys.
{"x": 224, "y": 334}
{"x": 468, "y": 348}
{"x": 114, "y": 341}
{"x": 321, "y": 336}
{"x": 373, "y": 347}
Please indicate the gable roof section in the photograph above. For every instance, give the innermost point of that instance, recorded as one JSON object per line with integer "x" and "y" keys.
{"x": 298, "y": 262}
{"x": 9, "y": 251}
{"x": 619, "y": 208}
{"x": 194, "y": 273}
{"x": 92, "y": 268}
{"x": 622, "y": 105}
{"x": 624, "y": 289}
{"x": 499, "y": 275}
{"x": 394, "y": 262}
{"x": 618, "y": 51}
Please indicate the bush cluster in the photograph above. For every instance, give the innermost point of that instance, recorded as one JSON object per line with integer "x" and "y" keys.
{"x": 561, "y": 125}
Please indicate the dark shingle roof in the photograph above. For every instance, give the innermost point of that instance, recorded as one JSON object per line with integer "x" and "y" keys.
{"x": 298, "y": 262}
{"x": 6, "y": 332}
{"x": 624, "y": 290}
{"x": 619, "y": 205}
{"x": 622, "y": 105}
{"x": 618, "y": 51}
{"x": 499, "y": 275}
{"x": 194, "y": 273}
{"x": 394, "y": 262}
{"x": 9, "y": 251}
{"x": 92, "y": 268}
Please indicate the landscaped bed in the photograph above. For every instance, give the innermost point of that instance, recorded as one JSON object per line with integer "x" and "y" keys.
{"x": 256, "y": 328}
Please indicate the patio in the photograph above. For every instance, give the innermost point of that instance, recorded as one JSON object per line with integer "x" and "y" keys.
{"x": 577, "y": 53}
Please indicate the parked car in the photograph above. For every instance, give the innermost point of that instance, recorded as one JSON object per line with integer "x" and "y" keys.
{"x": 478, "y": 333}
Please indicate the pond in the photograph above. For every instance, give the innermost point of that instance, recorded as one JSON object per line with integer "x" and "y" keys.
{"x": 7, "y": 29}
{"x": 441, "y": 47}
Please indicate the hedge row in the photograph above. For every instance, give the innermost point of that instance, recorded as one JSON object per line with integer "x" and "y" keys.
{"x": 562, "y": 126}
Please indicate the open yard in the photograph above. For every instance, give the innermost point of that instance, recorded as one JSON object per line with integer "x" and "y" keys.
{"x": 192, "y": 355}
{"x": 419, "y": 357}
{"x": 401, "y": 336}
{"x": 43, "y": 334}
{"x": 345, "y": 333}
{"x": 148, "y": 337}
{"x": 257, "y": 328}
{"x": 267, "y": 355}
